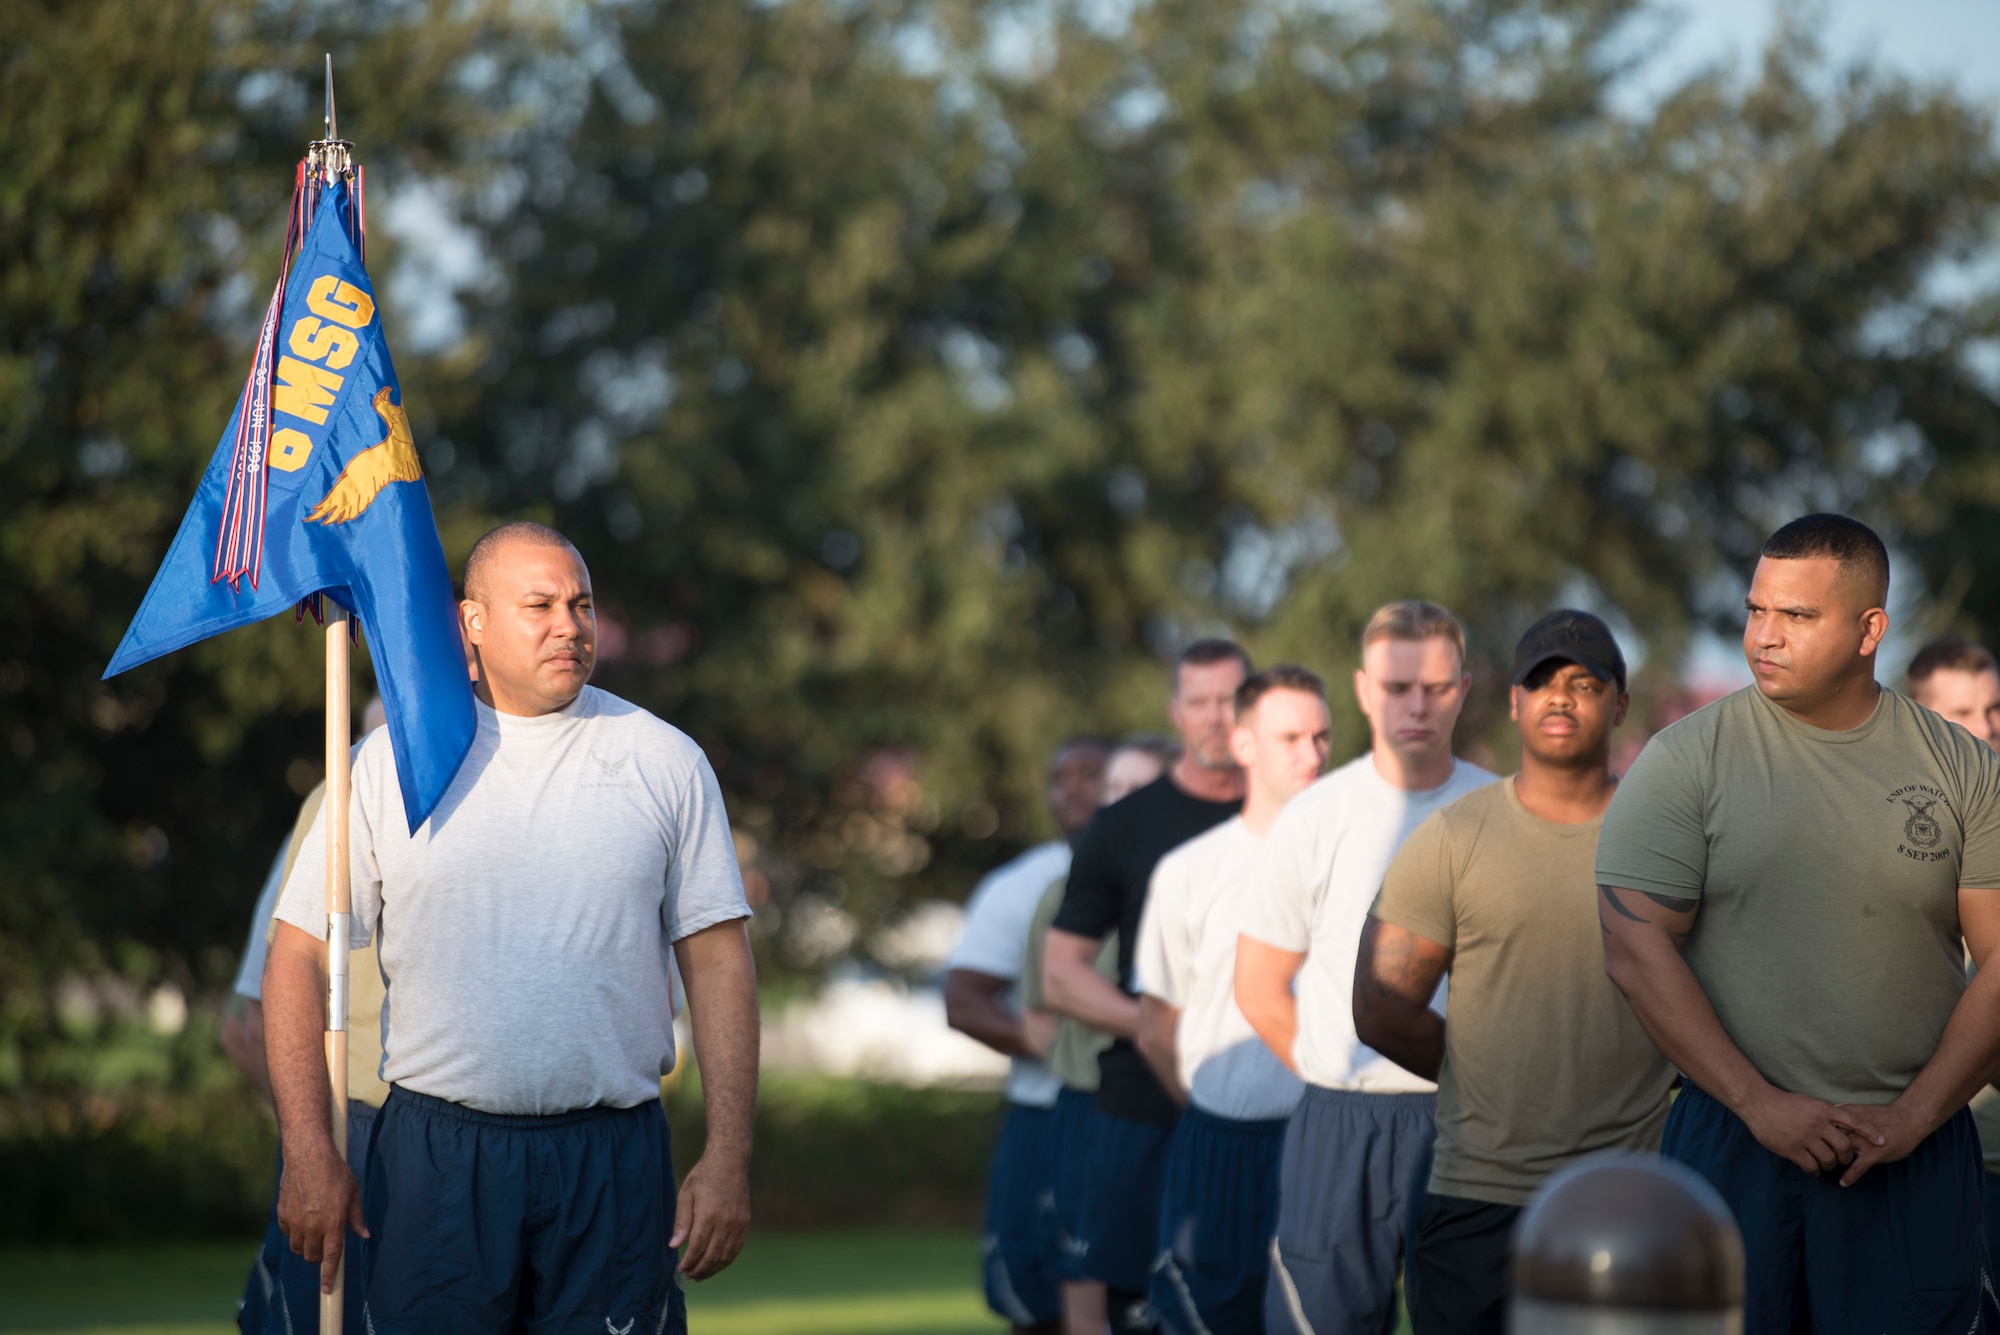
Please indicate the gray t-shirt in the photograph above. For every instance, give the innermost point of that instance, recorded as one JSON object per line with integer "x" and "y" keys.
{"x": 1828, "y": 866}
{"x": 1323, "y": 862}
{"x": 526, "y": 926}
{"x": 1187, "y": 958}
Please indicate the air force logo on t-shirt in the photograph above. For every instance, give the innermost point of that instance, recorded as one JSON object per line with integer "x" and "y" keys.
{"x": 1923, "y": 828}
{"x": 608, "y": 773}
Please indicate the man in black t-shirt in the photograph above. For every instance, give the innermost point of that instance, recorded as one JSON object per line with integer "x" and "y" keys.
{"x": 1108, "y": 879}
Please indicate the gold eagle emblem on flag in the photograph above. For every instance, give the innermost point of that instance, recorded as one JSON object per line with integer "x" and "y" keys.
{"x": 391, "y": 459}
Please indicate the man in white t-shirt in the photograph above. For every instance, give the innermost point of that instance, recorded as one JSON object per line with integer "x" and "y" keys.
{"x": 1363, "y": 1129}
{"x": 520, "y": 1177}
{"x": 1219, "y": 1209}
{"x": 981, "y": 999}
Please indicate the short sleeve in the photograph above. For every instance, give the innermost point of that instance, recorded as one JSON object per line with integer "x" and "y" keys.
{"x": 704, "y": 882}
{"x": 1038, "y": 935}
{"x": 1093, "y": 903}
{"x": 1655, "y": 837}
{"x": 1979, "y": 867}
{"x": 1165, "y": 951}
{"x": 250, "y": 974}
{"x": 302, "y": 903}
{"x": 996, "y": 938}
{"x": 1280, "y": 911}
{"x": 1419, "y": 891}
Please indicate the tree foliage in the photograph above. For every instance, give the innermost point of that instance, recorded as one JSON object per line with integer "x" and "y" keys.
{"x": 916, "y": 377}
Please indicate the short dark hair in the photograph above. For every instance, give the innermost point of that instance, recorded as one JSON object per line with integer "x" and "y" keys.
{"x": 1950, "y": 653}
{"x": 1850, "y": 542}
{"x": 1080, "y": 741}
{"x": 521, "y": 530}
{"x": 1207, "y": 653}
{"x": 1283, "y": 677}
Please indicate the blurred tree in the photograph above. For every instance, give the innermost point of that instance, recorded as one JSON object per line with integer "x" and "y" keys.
{"x": 919, "y": 376}
{"x": 144, "y": 171}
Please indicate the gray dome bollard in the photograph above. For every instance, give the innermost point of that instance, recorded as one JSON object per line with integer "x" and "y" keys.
{"x": 1627, "y": 1244}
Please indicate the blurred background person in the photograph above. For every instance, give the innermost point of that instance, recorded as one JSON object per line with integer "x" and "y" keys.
{"x": 1364, "y": 1125}
{"x": 1219, "y": 1207}
{"x": 1541, "y": 1060}
{"x": 982, "y": 1000}
{"x": 1071, "y": 1049}
{"x": 1107, "y": 891}
{"x": 282, "y": 1296}
{"x": 1961, "y": 680}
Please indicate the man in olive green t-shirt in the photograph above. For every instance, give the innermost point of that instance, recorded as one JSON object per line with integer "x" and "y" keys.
{"x": 1789, "y": 881}
{"x": 1541, "y": 1061}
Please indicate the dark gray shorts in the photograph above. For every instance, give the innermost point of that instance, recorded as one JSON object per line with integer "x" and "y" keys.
{"x": 1350, "y": 1165}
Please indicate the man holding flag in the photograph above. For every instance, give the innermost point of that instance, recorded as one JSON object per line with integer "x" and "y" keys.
{"x": 527, "y": 898}
{"x": 521, "y": 1177}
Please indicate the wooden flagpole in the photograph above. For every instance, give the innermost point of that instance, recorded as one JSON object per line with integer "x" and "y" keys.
{"x": 338, "y": 904}
{"x": 339, "y": 714}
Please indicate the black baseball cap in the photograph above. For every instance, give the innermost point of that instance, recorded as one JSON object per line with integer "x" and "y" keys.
{"x": 1577, "y": 637}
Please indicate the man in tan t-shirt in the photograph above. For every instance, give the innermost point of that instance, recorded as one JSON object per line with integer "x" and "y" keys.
{"x": 1789, "y": 881}
{"x": 1541, "y": 1060}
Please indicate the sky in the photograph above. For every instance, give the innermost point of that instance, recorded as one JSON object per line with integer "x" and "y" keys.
{"x": 1951, "y": 40}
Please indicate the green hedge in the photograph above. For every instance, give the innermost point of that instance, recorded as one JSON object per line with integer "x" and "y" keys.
{"x": 147, "y": 1162}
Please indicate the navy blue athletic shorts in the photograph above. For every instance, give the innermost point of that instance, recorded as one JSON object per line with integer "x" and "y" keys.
{"x": 481, "y": 1222}
{"x": 1020, "y": 1261}
{"x": 1218, "y": 1217}
{"x": 1352, "y": 1163}
{"x": 1072, "y": 1136}
{"x": 1456, "y": 1277}
{"x": 1903, "y": 1250}
{"x": 1121, "y": 1201}
{"x": 1990, "y": 1185}
{"x": 282, "y": 1297}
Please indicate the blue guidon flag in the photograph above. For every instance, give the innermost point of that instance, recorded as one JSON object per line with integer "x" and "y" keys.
{"x": 315, "y": 490}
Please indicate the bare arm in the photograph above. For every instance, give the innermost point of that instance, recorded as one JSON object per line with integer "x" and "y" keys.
{"x": 974, "y": 1005}
{"x": 1395, "y": 976}
{"x": 1073, "y": 986}
{"x": 1643, "y": 936}
{"x": 1159, "y": 1034}
{"x": 242, "y": 1039}
{"x": 1038, "y": 1031}
{"x": 318, "y": 1198}
{"x": 712, "y": 1214}
{"x": 1966, "y": 1055}
{"x": 1264, "y": 975}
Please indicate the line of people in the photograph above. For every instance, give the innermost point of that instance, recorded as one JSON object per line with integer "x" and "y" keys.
{"x": 1237, "y": 1102}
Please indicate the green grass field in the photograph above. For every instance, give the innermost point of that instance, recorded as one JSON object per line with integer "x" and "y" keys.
{"x": 785, "y": 1284}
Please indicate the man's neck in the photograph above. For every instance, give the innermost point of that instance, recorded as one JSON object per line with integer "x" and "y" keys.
{"x": 1260, "y": 808}
{"x": 519, "y": 707}
{"x": 1413, "y": 774}
{"x": 1847, "y": 706}
{"x": 1565, "y": 794}
{"x": 1210, "y": 785}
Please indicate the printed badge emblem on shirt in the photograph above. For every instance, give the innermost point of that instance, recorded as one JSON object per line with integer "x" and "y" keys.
{"x": 607, "y": 773}
{"x": 1923, "y": 831}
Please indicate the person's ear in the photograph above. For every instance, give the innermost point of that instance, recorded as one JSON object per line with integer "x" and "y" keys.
{"x": 1624, "y": 707}
{"x": 1514, "y": 704}
{"x": 472, "y": 618}
{"x": 1243, "y": 746}
{"x": 1361, "y": 693}
{"x": 1874, "y": 625}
